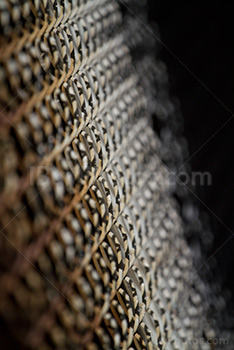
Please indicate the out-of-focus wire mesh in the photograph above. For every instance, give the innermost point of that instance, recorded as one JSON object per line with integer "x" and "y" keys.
{"x": 92, "y": 248}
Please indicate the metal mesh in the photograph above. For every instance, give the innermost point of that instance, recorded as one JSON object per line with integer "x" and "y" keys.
{"x": 93, "y": 253}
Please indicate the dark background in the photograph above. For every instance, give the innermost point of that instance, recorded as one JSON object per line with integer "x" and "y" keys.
{"x": 202, "y": 38}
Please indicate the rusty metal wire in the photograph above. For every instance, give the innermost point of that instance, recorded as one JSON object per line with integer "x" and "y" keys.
{"x": 97, "y": 257}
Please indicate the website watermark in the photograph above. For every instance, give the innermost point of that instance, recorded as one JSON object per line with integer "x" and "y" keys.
{"x": 200, "y": 341}
{"x": 182, "y": 178}
{"x": 195, "y": 178}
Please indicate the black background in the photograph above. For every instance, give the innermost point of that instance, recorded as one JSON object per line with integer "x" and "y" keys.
{"x": 202, "y": 38}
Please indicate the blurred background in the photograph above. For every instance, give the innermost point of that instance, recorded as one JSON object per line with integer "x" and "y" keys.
{"x": 202, "y": 38}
